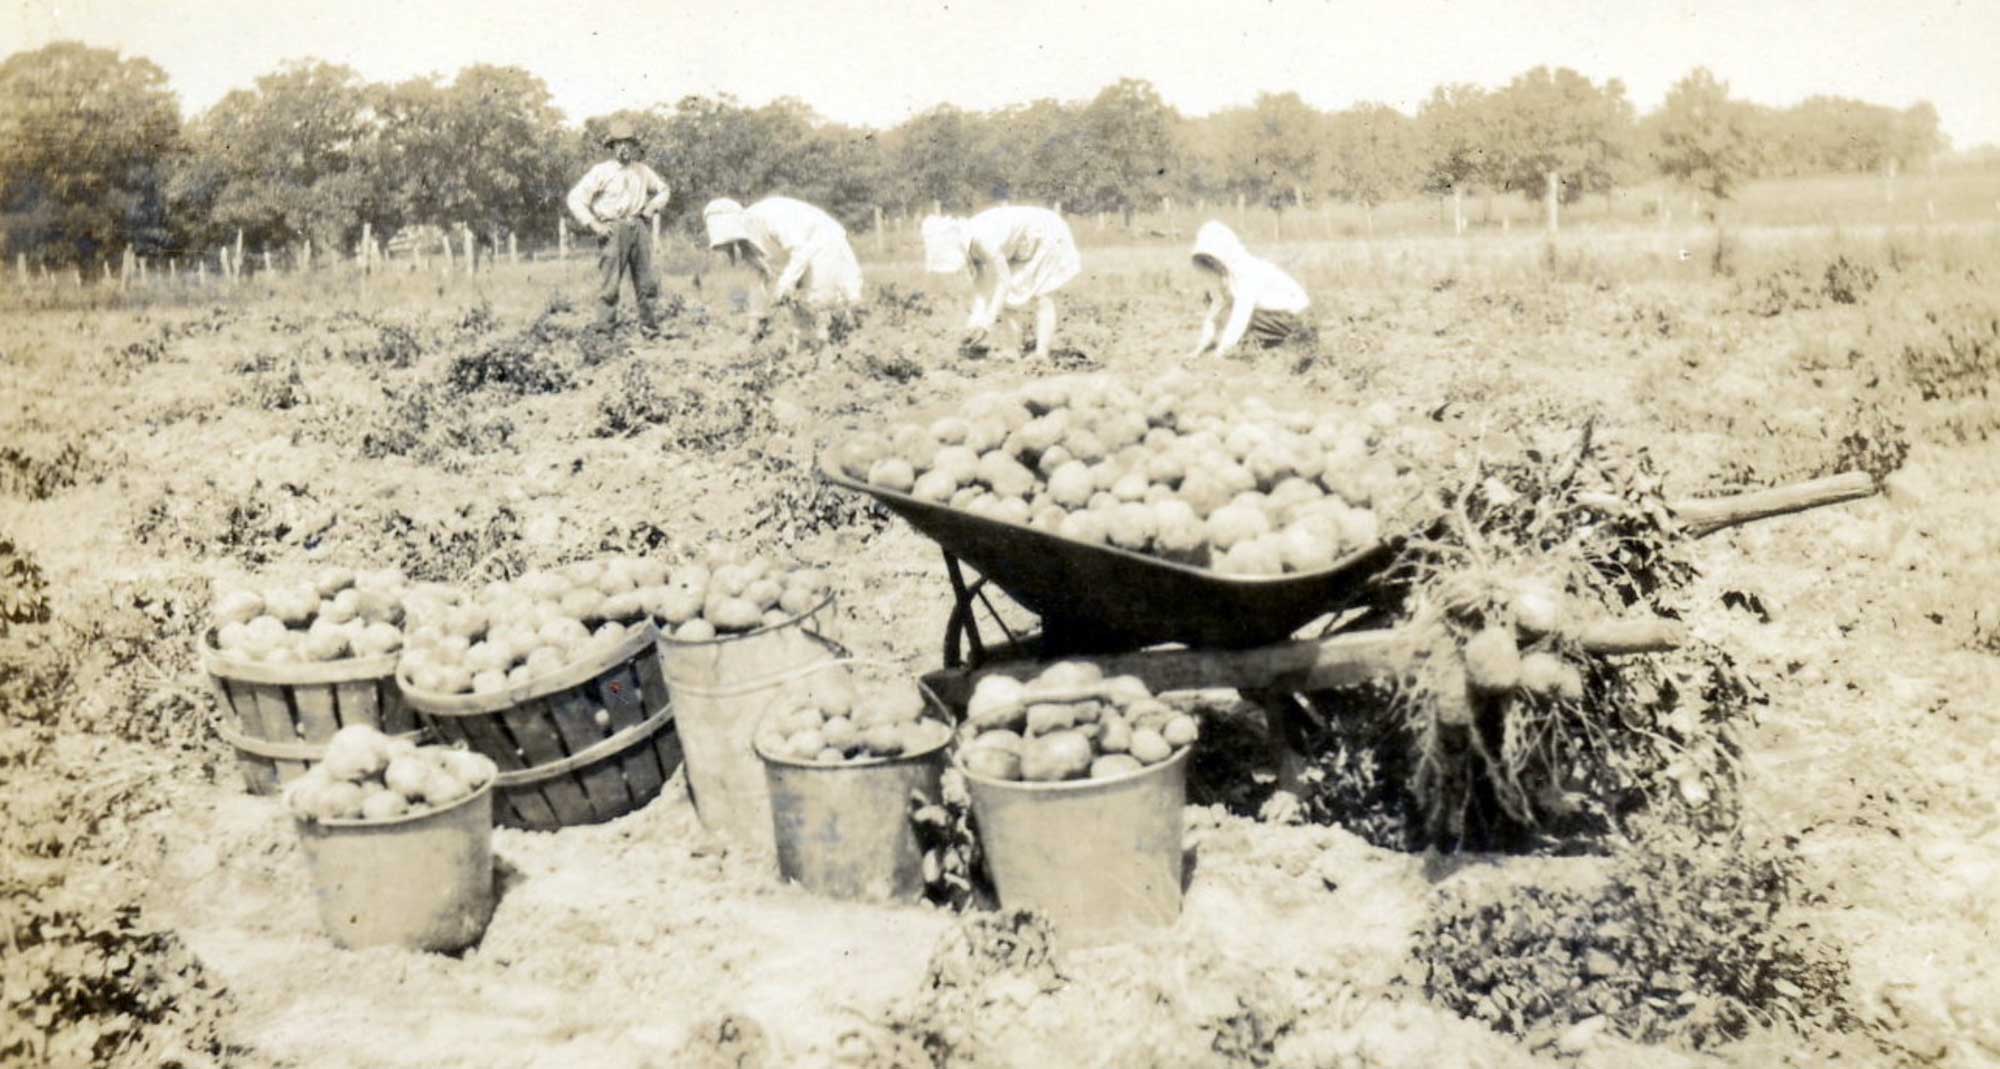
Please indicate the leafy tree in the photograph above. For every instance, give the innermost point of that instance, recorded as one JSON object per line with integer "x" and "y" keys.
{"x": 945, "y": 155}
{"x": 1278, "y": 148}
{"x": 86, "y": 138}
{"x": 1457, "y": 134}
{"x": 1373, "y": 152}
{"x": 1704, "y": 139}
{"x": 287, "y": 160}
{"x": 1556, "y": 121}
{"x": 1131, "y": 132}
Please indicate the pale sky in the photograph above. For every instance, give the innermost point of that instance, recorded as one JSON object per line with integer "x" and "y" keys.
{"x": 878, "y": 62}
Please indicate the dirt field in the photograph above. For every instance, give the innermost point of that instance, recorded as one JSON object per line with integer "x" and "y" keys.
{"x": 465, "y": 429}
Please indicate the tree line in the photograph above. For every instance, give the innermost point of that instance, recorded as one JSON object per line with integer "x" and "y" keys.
{"x": 96, "y": 157}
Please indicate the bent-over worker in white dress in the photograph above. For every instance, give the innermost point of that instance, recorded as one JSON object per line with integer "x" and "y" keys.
{"x": 1264, "y": 302}
{"x": 801, "y": 251}
{"x": 1026, "y": 252}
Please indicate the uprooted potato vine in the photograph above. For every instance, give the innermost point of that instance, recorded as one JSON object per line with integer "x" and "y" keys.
{"x": 1527, "y": 770}
{"x": 1685, "y": 941}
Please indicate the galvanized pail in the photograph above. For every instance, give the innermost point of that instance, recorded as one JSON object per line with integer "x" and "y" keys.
{"x": 423, "y": 881}
{"x": 1100, "y": 858}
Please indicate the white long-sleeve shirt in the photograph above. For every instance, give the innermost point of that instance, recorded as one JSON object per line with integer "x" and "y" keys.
{"x": 1252, "y": 283}
{"x": 811, "y": 245}
{"x": 612, "y": 192}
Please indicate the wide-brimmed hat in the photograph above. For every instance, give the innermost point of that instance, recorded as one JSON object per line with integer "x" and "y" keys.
{"x": 619, "y": 130}
{"x": 725, "y": 222}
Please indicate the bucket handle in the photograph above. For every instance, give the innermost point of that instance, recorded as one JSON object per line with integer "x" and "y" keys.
{"x": 596, "y": 751}
{"x": 840, "y": 659}
{"x": 287, "y": 751}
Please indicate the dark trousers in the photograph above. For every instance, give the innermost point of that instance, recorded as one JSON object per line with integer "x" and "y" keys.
{"x": 626, "y": 247}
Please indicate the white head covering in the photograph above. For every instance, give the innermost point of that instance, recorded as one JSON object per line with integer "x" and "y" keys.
{"x": 725, "y": 222}
{"x": 1219, "y": 243}
{"x": 946, "y": 242}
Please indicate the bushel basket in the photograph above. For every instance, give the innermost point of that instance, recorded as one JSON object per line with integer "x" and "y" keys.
{"x": 583, "y": 745}
{"x": 279, "y": 716}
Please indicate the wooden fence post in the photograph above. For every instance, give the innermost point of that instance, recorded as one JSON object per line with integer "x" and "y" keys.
{"x": 21, "y": 266}
{"x": 1554, "y": 196}
{"x": 364, "y": 252}
{"x": 201, "y": 271}
{"x": 236, "y": 260}
{"x": 142, "y": 270}
{"x": 444, "y": 239}
{"x": 306, "y": 255}
{"x": 562, "y": 237}
{"x": 513, "y": 251}
{"x": 173, "y": 269}
{"x": 1458, "y": 209}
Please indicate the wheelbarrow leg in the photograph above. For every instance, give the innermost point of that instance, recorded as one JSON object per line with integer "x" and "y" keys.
{"x": 1285, "y": 722}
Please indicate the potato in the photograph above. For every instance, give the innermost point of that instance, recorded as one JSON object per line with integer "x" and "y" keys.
{"x": 1180, "y": 731}
{"x": 1044, "y": 717}
{"x": 840, "y": 732}
{"x": 1115, "y": 735}
{"x": 1113, "y": 765}
{"x": 950, "y": 430}
{"x": 936, "y": 487}
{"x": 332, "y": 581}
{"x": 679, "y": 605}
{"x": 1000, "y": 737}
{"x": 1537, "y": 606}
{"x": 324, "y": 645}
{"x": 1235, "y": 524}
{"x": 805, "y": 745}
{"x": 733, "y": 614}
{"x": 546, "y": 659}
{"x": 1492, "y": 660}
{"x": 1056, "y": 756}
{"x": 583, "y": 604}
{"x": 563, "y": 632}
{"x": 1084, "y": 526}
{"x": 695, "y": 630}
{"x": 885, "y": 740}
{"x": 1541, "y": 674}
{"x": 383, "y": 804}
{"x": 923, "y": 735}
{"x": 238, "y": 607}
{"x": 858, "y": 455}
{"x": 490, "y": 681}
{"x": 339, "y": 800}
{"x": 1006, "y": 476}
{"x": 914, "y": 445}
{"x": 441, "y": 787}
{"x": 893, "y": 473}
{"x": 992, "y": 762}
{"x": 355, "y": 753}
{"x": 1150, "y": 746}
{"x": 1072, "y": 485}
{"x": 764, "y": 593}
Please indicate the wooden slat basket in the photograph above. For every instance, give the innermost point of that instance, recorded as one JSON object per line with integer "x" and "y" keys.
{"x": 584, "y": 745}
{"x": 279, "y": 716}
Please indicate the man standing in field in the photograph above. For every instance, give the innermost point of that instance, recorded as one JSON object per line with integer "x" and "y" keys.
{"x": 616, "y": 200}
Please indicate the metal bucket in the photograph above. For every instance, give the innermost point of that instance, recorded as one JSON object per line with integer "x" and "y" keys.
{"x": 1100, "y": 858}
{"x": 423, "y": 881}
{"x": 721, "y": 690}
{"x": 844, "y": 830}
